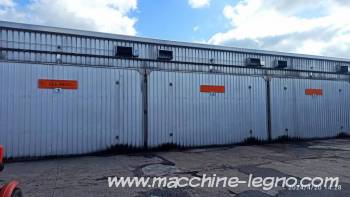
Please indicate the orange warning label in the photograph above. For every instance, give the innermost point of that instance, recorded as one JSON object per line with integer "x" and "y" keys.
{"x": 212, "y": 89}
{"x": 312, "y": 92}
{"x": 52, "y": 84}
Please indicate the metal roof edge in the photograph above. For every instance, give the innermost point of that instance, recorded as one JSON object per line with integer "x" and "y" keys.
{"x": 48, "y": 29}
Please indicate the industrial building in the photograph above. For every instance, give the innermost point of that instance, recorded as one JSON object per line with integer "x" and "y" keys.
{"x": 70, "y": 92}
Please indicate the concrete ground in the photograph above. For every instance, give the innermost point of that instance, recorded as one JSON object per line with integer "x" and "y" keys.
{"x": 87, "y": 176}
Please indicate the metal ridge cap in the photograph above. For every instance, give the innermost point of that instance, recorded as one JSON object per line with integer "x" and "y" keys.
{"x": 102, "y": 35}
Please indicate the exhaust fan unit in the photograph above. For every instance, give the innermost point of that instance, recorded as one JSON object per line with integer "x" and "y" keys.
{"x": 128, "y": 52}
{"x": 165, "y": 55}
{"x": 253, "y": 62}
{"x": 2, "y": 55}
{"x": 342, "y": 69}
{"x": 281, "y": 64}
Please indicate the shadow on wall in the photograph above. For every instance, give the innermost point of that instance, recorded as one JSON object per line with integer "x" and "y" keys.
{"x": 124, "y": 149}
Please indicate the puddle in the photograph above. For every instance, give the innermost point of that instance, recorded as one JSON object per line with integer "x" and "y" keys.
{"x": 159, "y": 170}
{"x": 179, "y": 192}
{"x": 329, "y": 147}
{"x": 252, "y": 193}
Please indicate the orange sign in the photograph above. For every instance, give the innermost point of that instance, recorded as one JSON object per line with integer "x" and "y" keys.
{"x": 212, "y": 89}
{"x": 52, "y": 84}
{"x": 314, "y": 92}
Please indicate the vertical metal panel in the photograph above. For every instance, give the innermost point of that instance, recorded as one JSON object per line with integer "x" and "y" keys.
{"x": 105, "y": 110}
{"x": 296, "y": 114}
{"x": 180, "y": 114}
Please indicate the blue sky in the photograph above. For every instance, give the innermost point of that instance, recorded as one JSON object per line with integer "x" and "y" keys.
{"x": 176, "y": 20}
{"x": 169, "y": 19}
{"x": 319, "y": 27}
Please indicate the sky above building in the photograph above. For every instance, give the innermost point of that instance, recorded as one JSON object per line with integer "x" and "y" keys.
{"x": 318, "y": 27}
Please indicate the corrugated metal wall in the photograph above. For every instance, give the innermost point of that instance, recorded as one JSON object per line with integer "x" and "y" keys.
{"x": 296, "y": 114}
{"x": 109, "y": 107}
{"x": 104, "y": 111}
{"x": 180, "y": 114}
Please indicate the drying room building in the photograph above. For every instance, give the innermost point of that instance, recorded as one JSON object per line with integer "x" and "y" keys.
{"x": 67, "y": 92}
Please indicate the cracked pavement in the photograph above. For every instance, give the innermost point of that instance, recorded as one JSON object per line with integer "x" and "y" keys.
{"x": 87, "y": 176}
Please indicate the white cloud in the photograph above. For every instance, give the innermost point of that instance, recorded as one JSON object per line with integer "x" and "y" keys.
{"x": 9, "y": 12}
{"x": 7, "y": 3}
{"x": 195, "y": 28}
{"x": 304, "y": 26}
{"x": 198, "y": 3}
{"x": 110, "y": 16}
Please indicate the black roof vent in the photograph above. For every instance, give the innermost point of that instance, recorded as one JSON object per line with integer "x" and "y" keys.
{"x": 253, "y": 62}
{"x": 122, "y": 51}
{"x": 281, "y": 64}
{"x": 165, "y": 54}
{"x": 342, "y": 69}
{"x": 2, "y": 55}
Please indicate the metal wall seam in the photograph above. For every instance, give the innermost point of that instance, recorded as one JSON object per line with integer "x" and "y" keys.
{"x": 180, "y": 114}
{"x": 105, "y": 110}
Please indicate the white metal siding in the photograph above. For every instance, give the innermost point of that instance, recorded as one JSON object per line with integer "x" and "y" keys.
{"x": 298, "y": 115}
{"x": 198, "y": 119}
{"x": 43, "y": 122}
